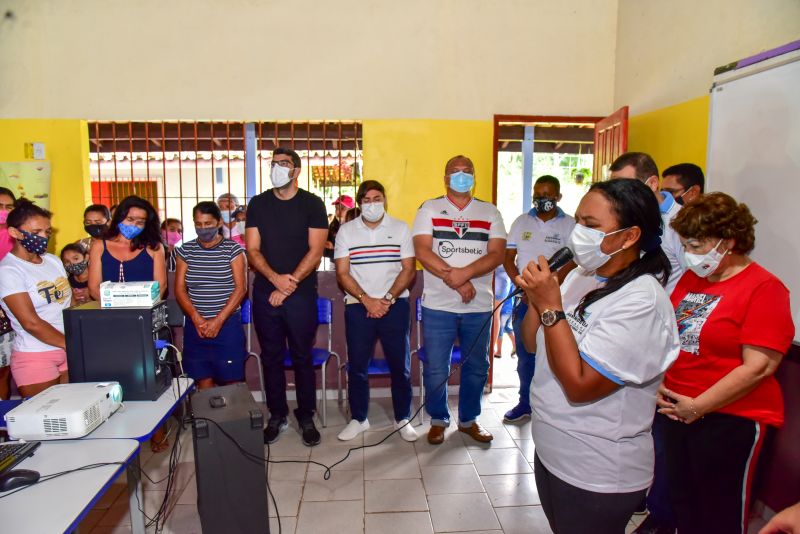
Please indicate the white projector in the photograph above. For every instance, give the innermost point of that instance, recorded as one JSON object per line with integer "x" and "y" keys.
{"x": 64, "y": 411}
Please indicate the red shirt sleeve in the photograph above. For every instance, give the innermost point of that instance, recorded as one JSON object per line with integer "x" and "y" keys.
{"x": 768, "y": 319}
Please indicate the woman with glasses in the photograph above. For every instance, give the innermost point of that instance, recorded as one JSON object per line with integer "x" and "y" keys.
{"x": 721, "y": 399}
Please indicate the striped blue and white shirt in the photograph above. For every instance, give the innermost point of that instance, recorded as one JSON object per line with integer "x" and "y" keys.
{"x": 209, "y": 275}
{"x": 375, "y": 254}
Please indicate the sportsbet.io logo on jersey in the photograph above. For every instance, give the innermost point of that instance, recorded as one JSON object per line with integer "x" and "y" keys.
{"x": 447, "y": 249}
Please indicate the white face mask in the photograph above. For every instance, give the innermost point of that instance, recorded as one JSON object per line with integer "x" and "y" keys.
{"x": 704, "y": 265}
{"x": 239, "y": 227}
{"x": 280, "y": 176}
{"x": 373, "y": 211}
{"x": 585, "y": 244}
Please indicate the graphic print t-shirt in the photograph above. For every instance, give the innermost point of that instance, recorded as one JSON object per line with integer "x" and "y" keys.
{"x": 460, "y": 236}
{"x": 48, "y": 288}
{"x": 715, "y": 320}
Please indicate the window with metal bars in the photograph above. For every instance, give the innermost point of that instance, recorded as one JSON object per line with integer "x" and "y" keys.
{"x": 175, "y": 165}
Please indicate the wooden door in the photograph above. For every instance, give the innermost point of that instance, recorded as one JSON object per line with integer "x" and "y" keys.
{"x": 610, "y": 141}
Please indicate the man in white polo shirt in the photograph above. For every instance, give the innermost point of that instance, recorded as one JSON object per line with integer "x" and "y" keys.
{"x": 540, "y": 232}
{"x": 459, "y": 240}
{"x": 375, "y": 265}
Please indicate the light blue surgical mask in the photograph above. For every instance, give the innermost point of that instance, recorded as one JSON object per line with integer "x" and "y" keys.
{"x": 129, "y": 231}
{"x": 461, "y": 182}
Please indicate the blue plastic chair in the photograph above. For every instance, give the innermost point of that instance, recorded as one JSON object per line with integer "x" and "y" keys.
{"x": 247, "y": 321}
{"x": 455, "y": 358}
{"x": 319, "y": 355}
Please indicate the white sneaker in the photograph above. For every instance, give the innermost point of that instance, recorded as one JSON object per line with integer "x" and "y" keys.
{"x": 353, "y": 430}
{"x": 407, "y": 431}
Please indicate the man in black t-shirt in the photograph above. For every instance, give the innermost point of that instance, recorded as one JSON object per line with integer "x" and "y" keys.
{"x": 285, "y": 236}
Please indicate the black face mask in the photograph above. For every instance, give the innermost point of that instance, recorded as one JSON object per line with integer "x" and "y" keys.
{"x": 95, "y": 230}
{"x": 544, "y": 204}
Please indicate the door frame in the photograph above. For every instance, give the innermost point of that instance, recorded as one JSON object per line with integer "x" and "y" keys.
{"x": 527, "y": 118}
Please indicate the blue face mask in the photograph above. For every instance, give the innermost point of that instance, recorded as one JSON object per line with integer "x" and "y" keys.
{"x": 461, "y": 182}
{"x": 129, "y": 231}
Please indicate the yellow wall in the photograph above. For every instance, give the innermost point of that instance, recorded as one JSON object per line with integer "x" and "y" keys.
{"x": 67, "y": 150}
{"x": 408, "y": 158}
{"x": 675, "y": 134}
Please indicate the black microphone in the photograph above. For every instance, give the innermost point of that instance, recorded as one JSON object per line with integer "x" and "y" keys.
{"x": 556, "y": 261}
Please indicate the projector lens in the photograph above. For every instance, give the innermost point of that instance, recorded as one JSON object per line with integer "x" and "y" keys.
{"x": 116, "y": 393}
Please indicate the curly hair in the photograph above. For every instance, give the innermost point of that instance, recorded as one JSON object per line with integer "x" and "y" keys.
{"x": 719, "y": 216}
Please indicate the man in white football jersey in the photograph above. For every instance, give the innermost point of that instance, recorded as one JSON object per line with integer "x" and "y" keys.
{"x": 459, "y": 240}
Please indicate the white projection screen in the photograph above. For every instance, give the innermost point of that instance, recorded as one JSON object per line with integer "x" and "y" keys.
{"x": 754, "y": 156}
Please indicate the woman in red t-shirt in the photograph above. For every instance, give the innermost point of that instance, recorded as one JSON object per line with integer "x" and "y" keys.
{"x": 720, "y": 397}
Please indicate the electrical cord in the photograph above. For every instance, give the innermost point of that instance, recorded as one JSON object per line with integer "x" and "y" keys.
{"x": 261, "y": 460}
{"x": 45, "y": 478}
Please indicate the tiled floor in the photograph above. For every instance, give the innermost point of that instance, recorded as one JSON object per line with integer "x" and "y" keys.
{"x": 459, "y": 486}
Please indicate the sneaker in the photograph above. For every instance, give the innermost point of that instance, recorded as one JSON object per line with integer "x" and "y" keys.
{"x": 353, "y": 429}
{"x": 407, "y": 431}
{"x": 310, "y": 433}
{"x": 274, "y": 429}
{"x": 517, "y": 413}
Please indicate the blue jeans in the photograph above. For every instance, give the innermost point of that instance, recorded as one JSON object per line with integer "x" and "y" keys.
{"x": 526, "y": 361}
{"x": 362, "y": 332}
{"x": 440, "y": 331}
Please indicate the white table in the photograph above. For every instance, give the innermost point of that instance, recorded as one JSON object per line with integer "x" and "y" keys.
{"x": 58, "y": 505}
{"x": 138, "y": 420}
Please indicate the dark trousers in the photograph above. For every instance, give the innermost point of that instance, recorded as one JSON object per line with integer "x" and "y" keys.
{"x": 658, "y": 507}
{"x": 293, "y": 323}
{"x": 572, "y": 510}
{"x": 710, "y": 469}
{"x": 362, "y": 333}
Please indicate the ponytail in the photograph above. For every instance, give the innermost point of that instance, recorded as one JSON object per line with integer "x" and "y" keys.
{"x": 654, "y": 263}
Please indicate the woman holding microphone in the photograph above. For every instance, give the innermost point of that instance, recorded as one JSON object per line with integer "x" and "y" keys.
{"x": 603, "y": 339}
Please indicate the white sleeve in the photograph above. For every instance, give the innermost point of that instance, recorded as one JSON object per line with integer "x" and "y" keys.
{"x": 406, "y": 245}
{"x": 423, "y": 224}
{"x": 514, "y": 233}
{"x": 497, "y": 229}
{"x": 11, "y": 282}
{"x": 630, "y": 341}
{"x": 341, "y": 248}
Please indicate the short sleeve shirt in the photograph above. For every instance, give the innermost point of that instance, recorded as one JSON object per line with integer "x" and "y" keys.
{"x": 715, "y": 321}
{"x": 630, "y": 337}
{"x": 375, "y": 254}
{"x": 532, "y": 237}
{"x": 283, "y": 226}
{"x": 209, "y": 274}
{"x": 460, "y": 236}
{"x": 47, "y": 286}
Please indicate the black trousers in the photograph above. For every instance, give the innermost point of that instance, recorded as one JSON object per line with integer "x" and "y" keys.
{"x": 711, "y": 465}
{"x": 572, "y": 510}
{"x": 293, "y": 323}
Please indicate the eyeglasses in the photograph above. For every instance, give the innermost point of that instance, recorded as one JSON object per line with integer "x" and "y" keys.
{"x": 286, "y": 163}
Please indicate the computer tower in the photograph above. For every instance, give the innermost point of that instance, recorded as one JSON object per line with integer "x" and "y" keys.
{"x": 118, "y": 344}
{"x": 229, "y": 461}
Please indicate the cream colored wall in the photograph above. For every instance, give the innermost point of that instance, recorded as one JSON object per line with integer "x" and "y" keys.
{"x": 306, "y": 59}
{"x": 667, "y": 50}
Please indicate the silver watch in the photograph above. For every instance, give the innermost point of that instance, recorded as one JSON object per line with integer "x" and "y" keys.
{"x": 390, "y": 298}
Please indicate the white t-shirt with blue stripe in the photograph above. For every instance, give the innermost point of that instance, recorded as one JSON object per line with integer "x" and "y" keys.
{"x": 631, "y": 338}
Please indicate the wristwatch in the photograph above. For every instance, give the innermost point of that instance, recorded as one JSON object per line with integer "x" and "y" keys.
{"x": 551, "y": 317}
{"x": 390, "y": 298}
